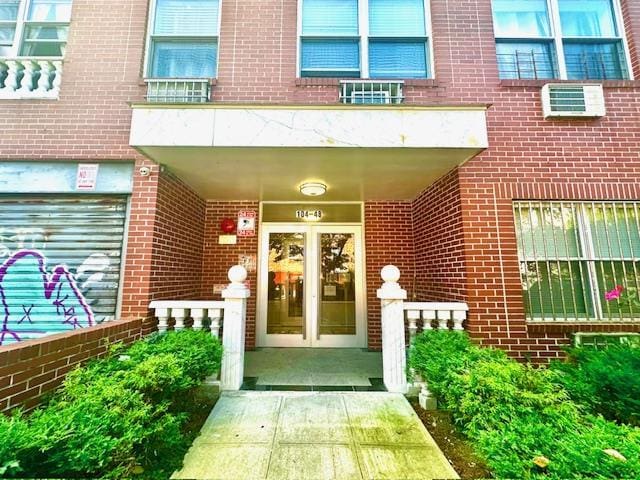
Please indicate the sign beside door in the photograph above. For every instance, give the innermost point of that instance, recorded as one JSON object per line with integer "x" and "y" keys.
{"x": 311, "y": 286}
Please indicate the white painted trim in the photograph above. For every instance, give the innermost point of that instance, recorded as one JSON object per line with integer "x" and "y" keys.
{"x": 311, "y": 286}
{"x": 617, "y": 8}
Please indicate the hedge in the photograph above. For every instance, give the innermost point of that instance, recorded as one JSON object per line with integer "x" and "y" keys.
{"x": 115, "y": 417}
{"x": 604, "y": 381}
{"x": 518, "y": 417}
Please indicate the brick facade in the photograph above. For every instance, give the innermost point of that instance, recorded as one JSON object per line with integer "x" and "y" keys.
{"x": 31, "y": 369}
{"x": 455, "y": 241}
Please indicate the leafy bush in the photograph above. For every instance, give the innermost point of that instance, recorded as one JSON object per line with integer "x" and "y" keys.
{"x": 516, "y": 413}
{"x": 605, "y": 381}
{"x": 114, "y": 415}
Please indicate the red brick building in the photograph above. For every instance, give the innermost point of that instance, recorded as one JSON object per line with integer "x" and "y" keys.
{"x": 422, "y": 120}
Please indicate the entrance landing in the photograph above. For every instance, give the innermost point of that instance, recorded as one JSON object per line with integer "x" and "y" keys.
{"x": 313, "y": 369}
{"x": 314, "y": 435}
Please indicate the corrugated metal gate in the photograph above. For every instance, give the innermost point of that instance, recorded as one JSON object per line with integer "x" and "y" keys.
{"x": 61, "y": 258}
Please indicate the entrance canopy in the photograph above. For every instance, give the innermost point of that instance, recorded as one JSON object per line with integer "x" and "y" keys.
{"x": 264, "y": 153}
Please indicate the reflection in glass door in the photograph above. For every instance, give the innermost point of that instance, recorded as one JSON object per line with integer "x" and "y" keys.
{"x": 311, "y": 286}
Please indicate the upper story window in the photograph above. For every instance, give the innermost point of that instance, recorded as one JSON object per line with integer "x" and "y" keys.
{"x": 364, "y": 39}
{"x": 184, "y": 39}
{"x": 567, "y": 39}
{"x": 34, "y": 28}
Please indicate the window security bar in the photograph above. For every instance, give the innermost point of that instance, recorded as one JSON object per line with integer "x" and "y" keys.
{"x": 572, "y": 253}
{"x": 523, "y": 65}
{"x": 371, "y": 92}
{"x": 596, "y": 66}
{"x": 176, "y": 90}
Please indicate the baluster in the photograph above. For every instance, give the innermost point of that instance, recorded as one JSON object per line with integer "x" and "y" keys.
{"x": 413, "y": 316}
{"x": 26, "y": 84}
{"x": 197, "y": 314}
{"x": 44, "y": 82}
{"x": 163, "y": 315}
{"x": 57, "y": 78}
{"x": 215, "y": 315}
{"x": 443, "y": 319}
{"x": 427, "y": 317}
{"x": 13, "y": 70}
{"x": 459, "y": 316}
{"x": 179, "y": 314}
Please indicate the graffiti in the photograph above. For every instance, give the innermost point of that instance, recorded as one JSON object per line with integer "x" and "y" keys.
{"x": 40, "y": 302}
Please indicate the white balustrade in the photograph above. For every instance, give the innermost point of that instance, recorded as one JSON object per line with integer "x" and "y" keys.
{"x": 230, "y": 313}
{"x": 443, "y": 315}
{"x": 30, "y": 78}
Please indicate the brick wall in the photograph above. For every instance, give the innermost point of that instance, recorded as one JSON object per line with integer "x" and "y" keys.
{"x": 388, "y": 240}
{"x": 31, "y": 369}
{"x": 219, "y": 258}
{"x": 165, "y": 242}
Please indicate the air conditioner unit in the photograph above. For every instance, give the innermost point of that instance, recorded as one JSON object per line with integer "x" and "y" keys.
{"x": 371, "y": 97}
{"x": 573, "y": 100}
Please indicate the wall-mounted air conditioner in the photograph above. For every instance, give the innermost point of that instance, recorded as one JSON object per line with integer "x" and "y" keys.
{"x": 573, "y": 100}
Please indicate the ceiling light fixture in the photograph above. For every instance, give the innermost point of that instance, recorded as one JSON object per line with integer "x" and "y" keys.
{"x": 313, "y": 189}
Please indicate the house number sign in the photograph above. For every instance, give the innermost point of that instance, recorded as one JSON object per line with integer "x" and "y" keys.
{"x": 309, "y": 214}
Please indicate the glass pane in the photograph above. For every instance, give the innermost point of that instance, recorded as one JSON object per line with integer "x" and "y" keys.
{"x": 614, "y": 230}
{"x": 547, "y": 231}
{"x": 531, "y": 60}
{"x": 42, "y": 49}
{"x": 330, "y": 58}
{"x": 46, "y": 33}
{"x": 337, "y": 284}
{"x": 625, "y": 274}
{"x": 399, "y": 18}
{"x": 285, "y": 293}
{"x": 587, "y": 18}
{"x": 9, "y": 10}
{"x": 596, "y": 61}
{"x": 521, "y": 18}
{"x": 50, "y": 11}
{"x": 397, "y": 59}
{"x": 6, "y": 35}
{"x": 556, "y": 290}
{"x": 184, "y": 60}
{"x": 330, "y": 17}
{"x": 186, "y": 17}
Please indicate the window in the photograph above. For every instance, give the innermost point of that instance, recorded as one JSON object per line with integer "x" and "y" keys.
{"x": 184, "y": 39}
{"x": 573, "y": 253}
{"x": 34, "y": 28}
{"x": 366, "y": 39}
{"x": 567, "y": 39}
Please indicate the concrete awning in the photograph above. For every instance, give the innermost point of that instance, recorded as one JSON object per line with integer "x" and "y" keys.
{"x": 265, "y": 153}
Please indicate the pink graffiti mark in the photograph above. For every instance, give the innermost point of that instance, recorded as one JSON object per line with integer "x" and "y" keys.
{"x": 65, "y": 300}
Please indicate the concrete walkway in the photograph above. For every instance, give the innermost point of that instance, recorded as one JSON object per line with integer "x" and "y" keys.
{"x": 314, "y": 435}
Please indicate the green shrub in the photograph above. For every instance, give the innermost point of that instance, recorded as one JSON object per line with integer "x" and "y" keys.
{"x": 514, "y": 413}
{"x": 116, "y": 414}
{"x": 605, "y": 381}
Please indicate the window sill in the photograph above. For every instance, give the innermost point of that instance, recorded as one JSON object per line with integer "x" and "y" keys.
{"x": 142, "y": 80}
{"x": 335, "y": 82}
{"x": 540, "y": 83}
{"x": 550, "y": 326}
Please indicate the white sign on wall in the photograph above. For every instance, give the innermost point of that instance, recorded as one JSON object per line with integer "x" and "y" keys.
{"x": 246, "y": 223}
{"x": 87, "y": 176}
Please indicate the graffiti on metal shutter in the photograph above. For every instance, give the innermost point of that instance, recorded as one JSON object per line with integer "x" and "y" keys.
{"x": 60, "y": 262}
{"x": 50, "y": 298}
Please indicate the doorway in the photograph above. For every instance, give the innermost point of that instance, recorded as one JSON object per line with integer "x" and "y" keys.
{"x": 311, "y": 284}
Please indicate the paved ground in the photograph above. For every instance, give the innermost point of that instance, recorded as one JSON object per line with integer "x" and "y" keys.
{"x": 314, "y": 435}
{"x": 313, "y": 366}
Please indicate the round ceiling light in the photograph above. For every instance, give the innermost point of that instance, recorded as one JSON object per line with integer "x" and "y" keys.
{"x": 313, "y": 189}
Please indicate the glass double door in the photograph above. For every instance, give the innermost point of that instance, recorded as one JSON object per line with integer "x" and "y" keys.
{"x": 311, "y": 286}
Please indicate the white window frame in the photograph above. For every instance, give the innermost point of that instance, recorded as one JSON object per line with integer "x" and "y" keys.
{"x": 21, "y": 23}
{"x": 363, "y": 34}
{"x": 587, "y": 255}
{"x": 556, "y": 38}
{"x": 148, "y": 57}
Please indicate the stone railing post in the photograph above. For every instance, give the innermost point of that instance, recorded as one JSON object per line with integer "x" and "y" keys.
{"x": 394, "y": 356}
{"x": 233, "y": 329}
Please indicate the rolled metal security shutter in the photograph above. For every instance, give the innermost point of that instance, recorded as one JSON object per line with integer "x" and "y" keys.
{"x": 60, "y": 261}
